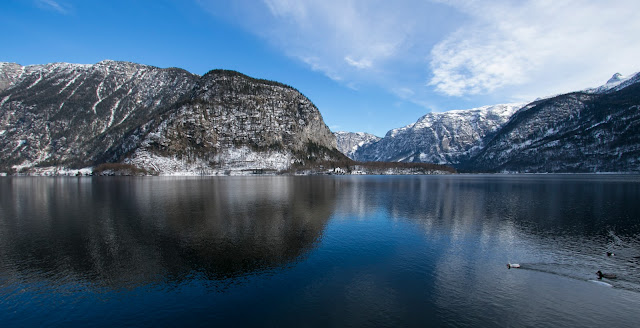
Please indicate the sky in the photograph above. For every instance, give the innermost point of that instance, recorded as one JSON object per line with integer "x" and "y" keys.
{"x": 368, "y": 65}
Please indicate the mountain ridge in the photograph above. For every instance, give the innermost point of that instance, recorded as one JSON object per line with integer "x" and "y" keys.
{"x": 442, "y": 138}
{"x": 77, "y": 115}
{"x": 170, "y": 121}
{"x": 582, "y": 131}
{"x": 592, "y": 130}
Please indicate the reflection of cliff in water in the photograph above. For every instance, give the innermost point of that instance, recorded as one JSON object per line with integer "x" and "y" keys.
{"x": 121, "y": 232}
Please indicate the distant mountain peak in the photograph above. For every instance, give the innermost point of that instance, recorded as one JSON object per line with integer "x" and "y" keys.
{"x": 349, "y": 142}
{"x": 615, "y": 83}
{"x": 615, "y": 78}
{"x": 445, "y": 138}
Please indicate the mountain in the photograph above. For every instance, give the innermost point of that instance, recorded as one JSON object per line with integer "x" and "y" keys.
{"x": 234, "y": 122}
{"x": 163, "y": 120}
{"x": 595, "y": 130}
{"x": 443, "y": 138}
{"x": 349, "y": 142}
{"x": 616, "y": 83}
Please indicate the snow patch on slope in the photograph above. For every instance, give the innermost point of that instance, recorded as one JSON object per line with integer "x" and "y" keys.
{"x": 232, "y": 161}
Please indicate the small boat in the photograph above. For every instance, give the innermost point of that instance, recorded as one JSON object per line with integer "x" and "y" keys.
{"x": 514, "y": 265}
{"x": 601, "y": 275}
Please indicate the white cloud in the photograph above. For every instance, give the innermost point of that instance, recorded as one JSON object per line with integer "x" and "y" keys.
{"x": 403, "y": 92}
{"x": 356, "y": 40}
{"x": 361, "y": 64}
{"x": 536, "y": 46}
{"x": 440, "y": 49}
{"x": 57, "y": 6}
{"x": 344, "y": 36}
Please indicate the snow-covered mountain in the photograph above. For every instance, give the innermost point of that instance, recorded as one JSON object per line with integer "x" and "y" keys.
{"x": 443, "y": 138}
{"x": 592, "y": 130}
{"x": 166, "y": 120}
{"x": 596, "y": 130}
{"x": 170, "y": 121}
{"x": 616, "y": 83}
{"x": 350, "y": 142}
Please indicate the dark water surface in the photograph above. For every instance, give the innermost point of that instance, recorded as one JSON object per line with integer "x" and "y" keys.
{"x": 320, "y": 251}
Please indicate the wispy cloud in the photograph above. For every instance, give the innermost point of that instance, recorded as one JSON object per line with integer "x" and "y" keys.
{"x": 421, "y": 50}
{"x": 356, "y": 40}
{"x": 360, "y": 64}
{"x": 52, "y": 5}
{"x": 543, "y": 46}
{"x": 342, "y": 34}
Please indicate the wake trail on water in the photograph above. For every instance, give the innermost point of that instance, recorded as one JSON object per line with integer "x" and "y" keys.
{"x": 578, "y": 272}
{"x": 552, "y": 268}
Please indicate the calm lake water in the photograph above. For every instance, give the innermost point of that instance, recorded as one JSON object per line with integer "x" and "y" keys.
{"x": 320, "y": 251}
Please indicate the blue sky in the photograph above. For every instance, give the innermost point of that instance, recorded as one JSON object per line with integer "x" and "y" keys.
{"x": 369, "y": 65}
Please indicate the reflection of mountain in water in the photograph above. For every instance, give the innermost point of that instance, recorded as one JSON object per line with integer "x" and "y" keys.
{"x": 573, "y": 204}
{"x": 121, "y": 232}
{"x": 562, "y": 224}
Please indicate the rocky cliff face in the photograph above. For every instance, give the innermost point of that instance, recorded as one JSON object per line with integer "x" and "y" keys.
{"x": 230, "y": 121}
{"x": 443, "y": 138}
{"x": 596, "y": 130}
{"x": 168, "y": 120}
{"x": 350, "y": 142}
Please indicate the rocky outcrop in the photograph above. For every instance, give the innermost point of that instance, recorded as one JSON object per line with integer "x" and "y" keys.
{"x": 233, "y": 122}
{"x": 9, "y": 73}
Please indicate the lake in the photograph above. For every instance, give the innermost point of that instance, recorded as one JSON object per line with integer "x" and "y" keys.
{"x": 320, "y": 251}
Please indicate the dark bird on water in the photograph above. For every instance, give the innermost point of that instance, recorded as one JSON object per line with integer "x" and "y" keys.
{"x": 601, "y": 275}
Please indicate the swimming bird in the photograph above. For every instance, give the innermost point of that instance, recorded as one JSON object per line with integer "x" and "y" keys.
{"x": 601, "y": 275}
